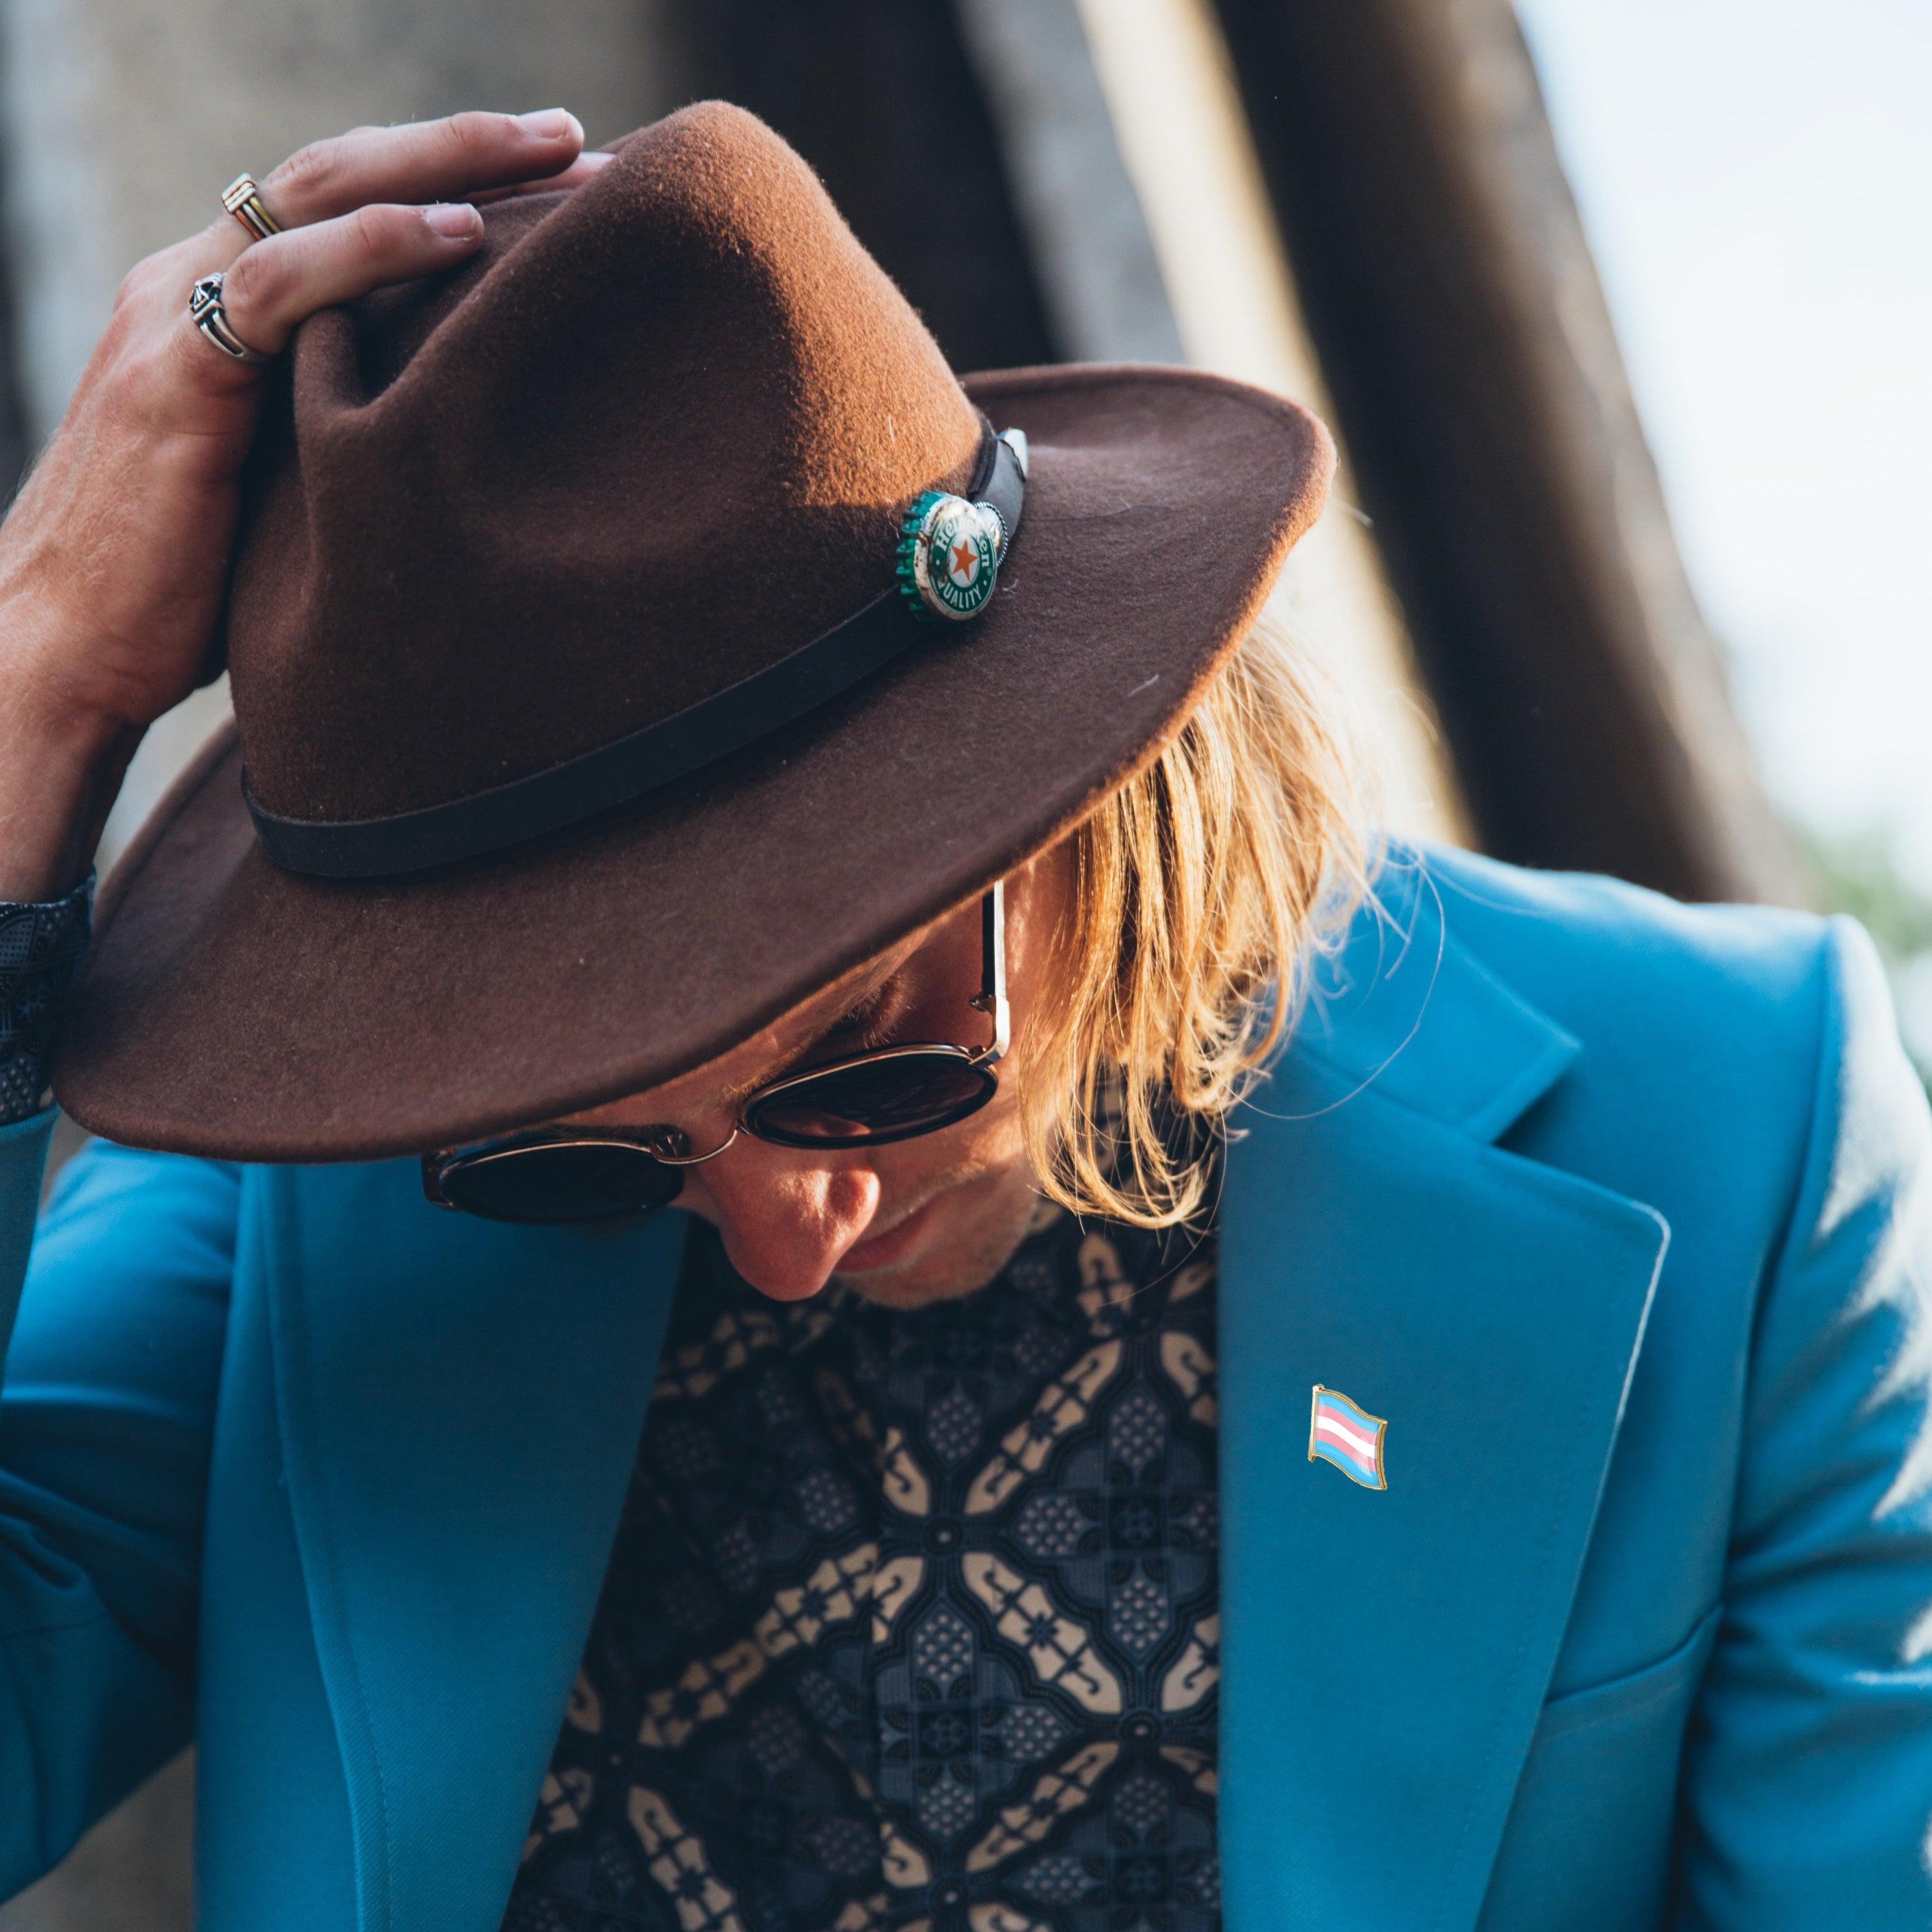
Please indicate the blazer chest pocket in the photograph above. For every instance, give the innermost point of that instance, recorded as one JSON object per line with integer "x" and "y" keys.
{"x": 1591, "y": 1825}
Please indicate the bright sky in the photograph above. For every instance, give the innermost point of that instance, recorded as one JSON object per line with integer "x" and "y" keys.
{"x": 1756, "y": 177}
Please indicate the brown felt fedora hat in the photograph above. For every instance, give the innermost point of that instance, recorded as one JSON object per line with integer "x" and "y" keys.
{"x": 584, "y": 722}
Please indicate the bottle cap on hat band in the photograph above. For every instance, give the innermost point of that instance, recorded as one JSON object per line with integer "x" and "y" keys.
{"x": 950, "y": 550}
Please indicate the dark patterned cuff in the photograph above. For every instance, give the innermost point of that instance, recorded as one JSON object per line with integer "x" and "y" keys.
{"x": 40, "y": 947}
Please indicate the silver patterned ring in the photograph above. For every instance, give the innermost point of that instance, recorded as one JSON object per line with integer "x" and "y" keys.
{"x": 205, "y": 307}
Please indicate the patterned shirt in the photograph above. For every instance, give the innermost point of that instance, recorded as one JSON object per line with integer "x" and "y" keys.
{"x": 911, "y": 1620}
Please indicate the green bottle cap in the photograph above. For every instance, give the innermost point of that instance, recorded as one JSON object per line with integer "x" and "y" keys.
{"x": 949, "y": 552}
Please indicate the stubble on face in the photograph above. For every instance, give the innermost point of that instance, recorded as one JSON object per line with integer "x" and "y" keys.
{"x": 975, "y": 1221}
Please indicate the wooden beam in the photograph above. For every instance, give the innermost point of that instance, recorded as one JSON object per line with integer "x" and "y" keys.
{"x": 1465, "y": 338}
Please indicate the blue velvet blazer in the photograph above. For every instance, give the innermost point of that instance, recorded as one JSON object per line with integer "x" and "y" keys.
{"x": 1617, "y": 1211}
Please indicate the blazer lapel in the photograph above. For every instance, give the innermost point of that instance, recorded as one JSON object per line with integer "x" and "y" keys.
{"x": 460, "y": 1406}
{"x": 1387, "y": 1652}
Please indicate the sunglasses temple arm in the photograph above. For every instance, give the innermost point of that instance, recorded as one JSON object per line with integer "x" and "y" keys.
{"x": 992, "y": 994}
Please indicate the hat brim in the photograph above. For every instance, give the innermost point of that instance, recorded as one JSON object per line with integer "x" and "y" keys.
{"x": 232, "y": 1009}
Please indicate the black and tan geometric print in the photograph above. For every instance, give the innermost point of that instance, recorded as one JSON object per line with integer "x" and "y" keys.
{"x": 910, "y": 1625}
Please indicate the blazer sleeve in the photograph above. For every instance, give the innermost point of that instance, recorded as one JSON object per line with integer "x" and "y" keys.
{"x": 106, "y": 1410}
{"x": 1807, "y": 1794}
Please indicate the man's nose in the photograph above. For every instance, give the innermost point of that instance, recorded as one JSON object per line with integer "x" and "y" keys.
{"x": 786, "y": 1217}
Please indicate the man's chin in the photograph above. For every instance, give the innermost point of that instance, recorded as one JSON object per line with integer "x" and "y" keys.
{"x": 910, "y": 1287}
{"x": 953, "y": 1245}
{"x": 920, "y": 1278}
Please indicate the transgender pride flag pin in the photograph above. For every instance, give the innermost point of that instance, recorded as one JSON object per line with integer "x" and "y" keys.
{"x": 1349, "y": 1437}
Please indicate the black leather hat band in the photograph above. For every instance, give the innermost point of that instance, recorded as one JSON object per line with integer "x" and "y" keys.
{"x": 632, "y": 767}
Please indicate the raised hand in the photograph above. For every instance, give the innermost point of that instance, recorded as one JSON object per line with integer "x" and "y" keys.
{"x": 113, "y": 559}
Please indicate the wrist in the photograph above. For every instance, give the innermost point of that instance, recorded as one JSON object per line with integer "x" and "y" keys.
{"x": 45, "y": 734}
{"x": 60, "y": 765}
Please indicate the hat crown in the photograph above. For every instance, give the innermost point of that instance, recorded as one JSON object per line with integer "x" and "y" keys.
{"x": 657, "y": 433}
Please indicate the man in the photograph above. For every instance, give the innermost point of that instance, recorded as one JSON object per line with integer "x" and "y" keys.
{"x": 691, "y": 757}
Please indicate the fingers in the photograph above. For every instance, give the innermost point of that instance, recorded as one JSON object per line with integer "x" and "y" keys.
{"x": 276, "y": 284}
{"x": 579, "y": 172}
{"x": 442, "y": 160}
{"x": 374, "y": 206}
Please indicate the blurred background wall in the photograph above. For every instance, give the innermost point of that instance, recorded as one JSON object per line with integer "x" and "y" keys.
{"x": 1364, "y": 205}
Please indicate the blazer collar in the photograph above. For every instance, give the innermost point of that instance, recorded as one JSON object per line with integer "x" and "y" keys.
{"x": 1404, "y": 1007}
{"x": 1386, "y": 1653}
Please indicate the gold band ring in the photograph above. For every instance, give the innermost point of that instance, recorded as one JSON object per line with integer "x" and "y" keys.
{"x": 242, "y": 199}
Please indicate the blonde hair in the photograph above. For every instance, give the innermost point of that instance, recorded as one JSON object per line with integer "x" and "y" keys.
{"x": 1200, "y": 891}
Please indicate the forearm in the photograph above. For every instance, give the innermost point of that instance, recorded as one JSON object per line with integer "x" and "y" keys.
{"x": 61, "y": 762}
{"x": 112, "y": 1371}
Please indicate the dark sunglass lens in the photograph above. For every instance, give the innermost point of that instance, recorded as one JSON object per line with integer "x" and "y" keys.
{"x": 591, "y": 1182}
{"x": 889, "y": 1098}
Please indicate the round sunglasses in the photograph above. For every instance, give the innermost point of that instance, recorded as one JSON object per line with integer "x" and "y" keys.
{"x": 887, "y": 1093}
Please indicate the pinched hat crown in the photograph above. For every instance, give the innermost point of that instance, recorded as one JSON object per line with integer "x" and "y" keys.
{"x": 655, "y": 436}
